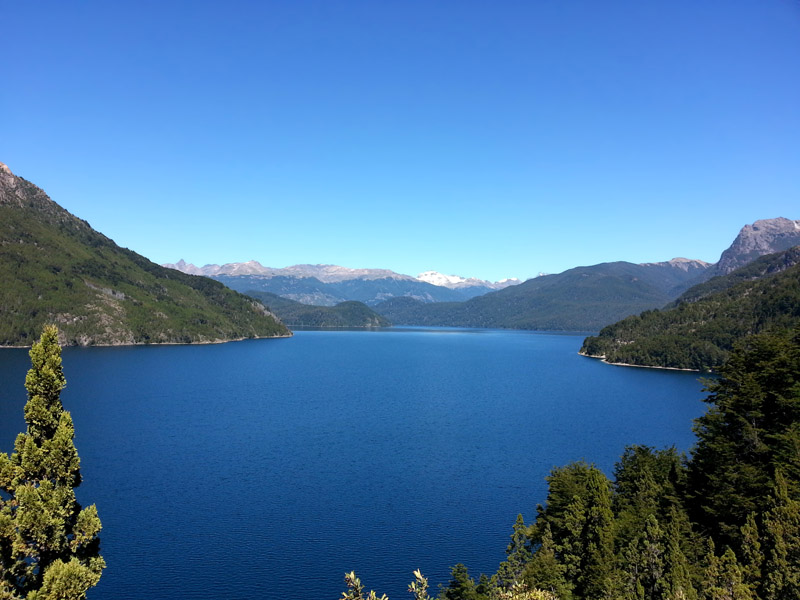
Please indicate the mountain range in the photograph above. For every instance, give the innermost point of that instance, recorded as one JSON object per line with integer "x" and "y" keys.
{"x": 584, "y": 298}
{"x": 56, "y": 269}
{"x": 579, "y": 299}
{"x": 328, "y": 285}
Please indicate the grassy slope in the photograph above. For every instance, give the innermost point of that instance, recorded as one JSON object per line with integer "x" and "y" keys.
{"x": 56, "y": 268}
{"x": 699, "y": 329}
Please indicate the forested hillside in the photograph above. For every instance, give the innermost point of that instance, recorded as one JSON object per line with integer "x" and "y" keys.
{"x": 56, "y": 269}
{"x": 700, "y": 328}
{"x": 344, "y": 314}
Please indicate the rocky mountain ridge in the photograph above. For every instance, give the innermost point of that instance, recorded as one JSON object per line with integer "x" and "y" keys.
{"x": 765, "y": 236}
{"x": 336, "y": 274}
{"x": 328, "y": 285}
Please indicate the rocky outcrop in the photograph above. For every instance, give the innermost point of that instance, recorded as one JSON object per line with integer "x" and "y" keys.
{"x": 765, "y": 236}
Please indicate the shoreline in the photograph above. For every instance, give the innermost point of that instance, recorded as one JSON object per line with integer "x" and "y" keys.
{"x": 602, "y": 358}
{"x": 204, "y": 343}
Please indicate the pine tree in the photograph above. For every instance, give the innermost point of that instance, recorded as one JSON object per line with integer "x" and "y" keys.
{"x": 49, "y": 549}
{"x": 545, "y": 571}
{"x": 644, "y": 563}
{"x": 723, "y": 577}
{"x": 517, "y": 556}
{"x": 752, "y": 556}
{"x": 781, "y": 565}
{"x": 461, "y": 585}
{"x": 588, "y": 550}
{"x": 677, "y": 581}
{"x": 752, "y": 428}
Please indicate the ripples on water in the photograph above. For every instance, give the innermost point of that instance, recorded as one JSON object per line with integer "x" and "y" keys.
{"x": 268, "y": 468}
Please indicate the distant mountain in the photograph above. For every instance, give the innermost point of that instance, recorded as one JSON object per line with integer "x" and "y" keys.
{"x": 328, "y": 285}
{"x": 456, "y": 282}
{"x": 699, "y": 329}
{"x": 762, "y": 237}
{"x": 55, "y": 268}
{"x": 323, "y": 273}
{"x": 344, "y": 314}
{"x": 580, "y": 299}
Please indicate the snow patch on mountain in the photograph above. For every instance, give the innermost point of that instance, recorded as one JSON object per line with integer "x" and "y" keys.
{"x": 455, "y": 282}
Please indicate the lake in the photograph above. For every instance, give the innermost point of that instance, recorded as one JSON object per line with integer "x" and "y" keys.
{"x": 269, "y": 468}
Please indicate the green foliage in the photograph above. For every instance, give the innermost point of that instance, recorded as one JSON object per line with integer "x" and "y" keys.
{"x": 49, "y": 547}
{"x": 461, "y": 586}
{"x": 750, "y": 430}
{"x": 781, "y": 565}
{"x": 545, "y": 571}
{"x": 56, "y": 269}
{"x": 518, "y": 555}
{"x": 724, "y": 579}
{"x": 700, "y": 330}
{"x": 344, "y": 314}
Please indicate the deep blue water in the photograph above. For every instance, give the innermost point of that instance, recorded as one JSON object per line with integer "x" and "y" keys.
{"x": 269, "y": 468}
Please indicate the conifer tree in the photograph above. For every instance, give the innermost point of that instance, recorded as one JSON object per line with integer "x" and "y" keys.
{"x": 588, "y": 551}
{"x": 752, "y": 428}
{"x": 644, "y": 563}
{"x": 677, "y": 583}
{"x": 461, "y": 585}
{"x": 49, "y": 549}
{"x": 752, "y": 556}
{"x": 517, "y": 556}
{"x": 781, "y": 567}
{"x": 545, "y": 571}
{"x": 723, "y": 577}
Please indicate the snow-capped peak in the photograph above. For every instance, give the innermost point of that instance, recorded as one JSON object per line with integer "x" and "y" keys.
{"x": 456, "y": 281}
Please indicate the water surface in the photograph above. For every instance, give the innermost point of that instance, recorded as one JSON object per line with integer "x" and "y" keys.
{"x": 268, "y": 468}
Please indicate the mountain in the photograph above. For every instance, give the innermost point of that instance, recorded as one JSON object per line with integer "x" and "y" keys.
{"x": 580, "y": 299}
{"x": 456, "y": 282}
{"x": 328, "y": 285}
{"x": 56, "y": 269}
{"x": 344, "y": 314}
{"x": 765, "y": 236}
{"x": 699, "y": 330}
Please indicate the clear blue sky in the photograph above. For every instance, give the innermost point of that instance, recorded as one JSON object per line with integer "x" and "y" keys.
{"x": 489, "y": 139}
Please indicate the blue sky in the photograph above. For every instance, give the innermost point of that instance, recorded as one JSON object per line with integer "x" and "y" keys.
{"x": 488, "y": 139}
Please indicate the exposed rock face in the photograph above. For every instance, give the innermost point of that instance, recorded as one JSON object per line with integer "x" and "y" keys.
{"x": 684, "y": 264}
{"x": 762, "y": 237}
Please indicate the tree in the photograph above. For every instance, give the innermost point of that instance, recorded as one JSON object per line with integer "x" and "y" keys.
{"x": 518, "y": 555}
{"x": 461, "y": 585}
{"x": 49, "y": 549}
{"x": 544, "y": 571}
{"x": 588, "y": 549}
{"x": 750, "y": 430}
{"x": 781, "y": 566}
{"x": 724, "y": 578}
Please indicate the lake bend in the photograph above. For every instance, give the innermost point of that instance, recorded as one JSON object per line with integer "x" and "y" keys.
{"x": 269, "y": 468}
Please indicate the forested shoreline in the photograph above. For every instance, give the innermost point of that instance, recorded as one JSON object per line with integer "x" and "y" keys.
{"x": 720, "y": 524}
